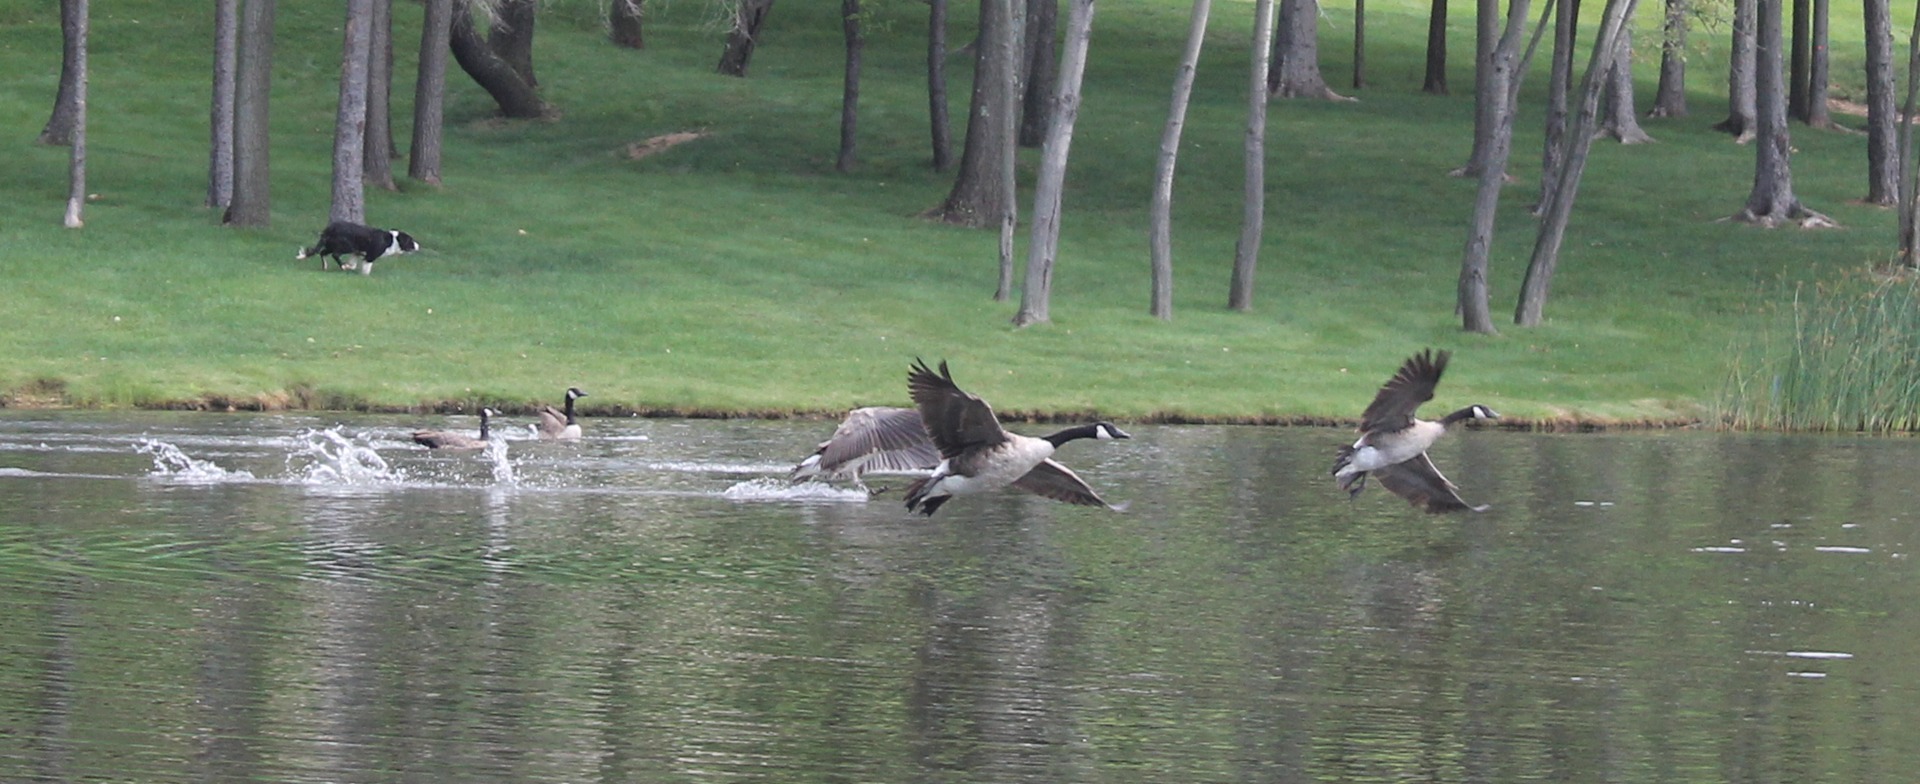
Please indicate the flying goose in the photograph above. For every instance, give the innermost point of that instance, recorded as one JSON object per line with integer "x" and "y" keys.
{"x": 977, "y": 455}
{"x": 1393, "y": 442}
{"x": 560, "y": 425}
{"x": 448, "y": 439}
{"x": 875, "y": 438}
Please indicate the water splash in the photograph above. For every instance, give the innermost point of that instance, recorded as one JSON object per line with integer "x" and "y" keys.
{"x": 496, "y": 454}
{"x": 329, "y": 457}
{"x": 768, "y": 489}
{"x": 174, "y": 465}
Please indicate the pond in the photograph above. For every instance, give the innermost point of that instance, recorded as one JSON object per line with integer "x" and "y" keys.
{"x": 310, "y": 598}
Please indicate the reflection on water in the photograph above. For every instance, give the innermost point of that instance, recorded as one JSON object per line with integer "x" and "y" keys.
{"x": 194, "y": 597}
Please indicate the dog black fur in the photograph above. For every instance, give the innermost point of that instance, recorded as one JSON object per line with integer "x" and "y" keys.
{"x": 341, "y": 238}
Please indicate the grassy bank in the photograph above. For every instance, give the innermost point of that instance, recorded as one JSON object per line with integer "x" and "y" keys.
{"x": 737, "y": 273}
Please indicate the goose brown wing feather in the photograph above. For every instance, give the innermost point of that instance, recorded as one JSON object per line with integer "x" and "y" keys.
{"x": 1393, "y": 406}
{"x": 552, "y": 420}
{"x": 893, "y": 439}
{"x": 1053, "y": 480}
{"x": 1423, "y": 485}
{"x": 956, "y": 420}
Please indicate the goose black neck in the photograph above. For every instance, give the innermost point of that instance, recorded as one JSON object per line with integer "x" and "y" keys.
{"x": 483, "y": 425}
{"x": 1458, "y": 416}
{"x": 569, "y": 408}
{"x": 1073, "y": 433}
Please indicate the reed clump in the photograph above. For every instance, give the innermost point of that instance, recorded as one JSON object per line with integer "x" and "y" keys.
{"x": 1834, "y": 355}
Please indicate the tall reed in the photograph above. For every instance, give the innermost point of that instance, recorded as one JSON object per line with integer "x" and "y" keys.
{"x": 1836, "y": 355}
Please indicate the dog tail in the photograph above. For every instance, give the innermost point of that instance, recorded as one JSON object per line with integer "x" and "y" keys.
{"x": 304, "y": 252}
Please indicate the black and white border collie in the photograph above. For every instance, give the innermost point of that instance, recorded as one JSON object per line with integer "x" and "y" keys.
{"x": 341, "y": 238}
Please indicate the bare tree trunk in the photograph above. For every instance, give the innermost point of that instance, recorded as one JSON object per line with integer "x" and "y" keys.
{"x": 1296, "y": 54}
{"x": 1044, "y": 246}
{"x": 1909, "y": 219}
{"x": 226, "y": 40}
{"x": 1740, "y": 67}
{"x": 1160, "y": 213}
{"x": 1883, "y": 175}
{"x": 1566, "y": 22}
{"x": 744, "y": 36}
{"x": 379, "y": 140}
{"x": 510, "y": 36}
{"x": 1559, "y": 202}
{"x": 1818, "y": 68}
{"x": 1486, "y": 32}
{"x": 1772, "y": 201}
{"x": 61, "y": 122}
{"x": 251, "y": 204}
{"x": 937, "y": 83}
{"x": 1506, "y": 65}
{"x": 77, "y": 152}
{"x": 350, "y": 123}
{"x": 850, "y": 90}
{"x": 624, "y": 25}
{"x": 979, "y": 195}
{"x": 1436, "y": 78}
{"x": 1359, "y": 44}
{"x": 1246, "y": 253}
{"x": 1010, "y": 47}
{"x": 429, "y": 92}
{"x": 1799, "y": 65}
{"x": 1042, "y": 70}
{"x": 1670, "y": 100}
{"x": 515, "y": 97}
{"x": 1618, "y": 120}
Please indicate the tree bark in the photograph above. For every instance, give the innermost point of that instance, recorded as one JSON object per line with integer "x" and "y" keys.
{"x": 624, "y": 25}
{"x": 251, "y": 204}
{"x": 1042, "y": 69}
{"x": 1909, "y": 219}
{"x": 1359, "y": 44}
{"x": 1883, "y": 175}
{"x": 61, "y": 122}
{"x": 1246, "y": 252}
{"x": 850, "y": 90}
{"x": 1772, "y": 201}
{"x": 1503, "y": 63}
{"x": 1619, "y": 121}
{"x": 350, "y": 122}
{"x": 1486, "y": 32}
{"x": 979, "y": 195}
{"x": 1160, "y": 212}
{"x": 515, "y": 97}
{"x": 1436, "y": 77}
{"x": 937, "y": 84}
{"x": 1010, "y": 46}
{"x": 1818, "y": 67}
{"x": 1740, "y": 67}
{"x": 1296, "y": 54}
{"x": 1799, "y": 65}
{"x": 1051, "y": 179}
{"x": 510, "y": 36}
{"x": 1559, "y": 201}
{"x": 1670, "y": 100}
{"x": 744, "y": 36}
{"x": 1566, "y": 23}
{"x": 77, "y": 138}
{"x": 429, "y": 92}
{"x": 226, "y": 40}
{"x": 379, "y": 139}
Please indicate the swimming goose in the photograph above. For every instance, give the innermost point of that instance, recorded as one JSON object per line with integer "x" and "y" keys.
{"x": 448, "y": 439}
{"x": 875, "y": 438}
{"x": 560, "y": 424}
{"x": 977, "y": 455}
{"x": 1393, "y": 442}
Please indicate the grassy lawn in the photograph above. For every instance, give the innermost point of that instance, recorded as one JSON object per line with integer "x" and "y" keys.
{"x": 738, "y": 273}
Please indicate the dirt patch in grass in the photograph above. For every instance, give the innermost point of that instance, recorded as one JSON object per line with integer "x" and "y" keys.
{"x": 661, "y": 143}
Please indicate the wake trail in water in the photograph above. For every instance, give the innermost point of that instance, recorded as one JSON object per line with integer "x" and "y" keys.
{"x": 173, "y": 465}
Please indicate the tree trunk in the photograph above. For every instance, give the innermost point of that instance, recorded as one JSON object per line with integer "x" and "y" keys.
{"x": 1618, "y": 120}
{"x": 1559, "y": 201}
{"x": 77, "y": 138}
{"x": 1246, "y": 252}
{"x": 1160, "y": 213}
{"x": 510, "y": 36}
{"x": 1051, "y": 179}
{"x": 1566, "y": 24}
{"x": 1772, "y": 201}
{"x": 937, "y": 84}
{"x": 429, "y": 92}
{"x": 1909, "y": 219}
{"x": 515, "y": 97}
{"x": 1010, "y": 48}
{"x": 1296, "y": 54}
{"x": 226, "y": 40}
{"x": 1503, "y": 81}
{"x": 1042, "y": 70}
{"x": 624, "y": 25}
{"x": 1883, "y": 175}
{"x": 350, "y": 122}
{"x": 1486, "y": 32}
{"x": 1670, "y": 100}
{"x": 850, "y": 90}
{"x": 1740, "y": 65}
{"x": 379, "y": 140}
{"x": 1436, "y": 81}
{"x": 251, "y": 204}
{"x": 979, "y": 195}
{"x": 744, "y": 36}
{"x": 1818, "y": 68}
{"x": 1359, "y": 44}
{"x": 1799, "y": 65}
{"x": 61, "y": 122}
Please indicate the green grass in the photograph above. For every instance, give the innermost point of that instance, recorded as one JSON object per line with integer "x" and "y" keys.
{"x": 1839, "y": 355}
{"x": 739, "y": 274}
